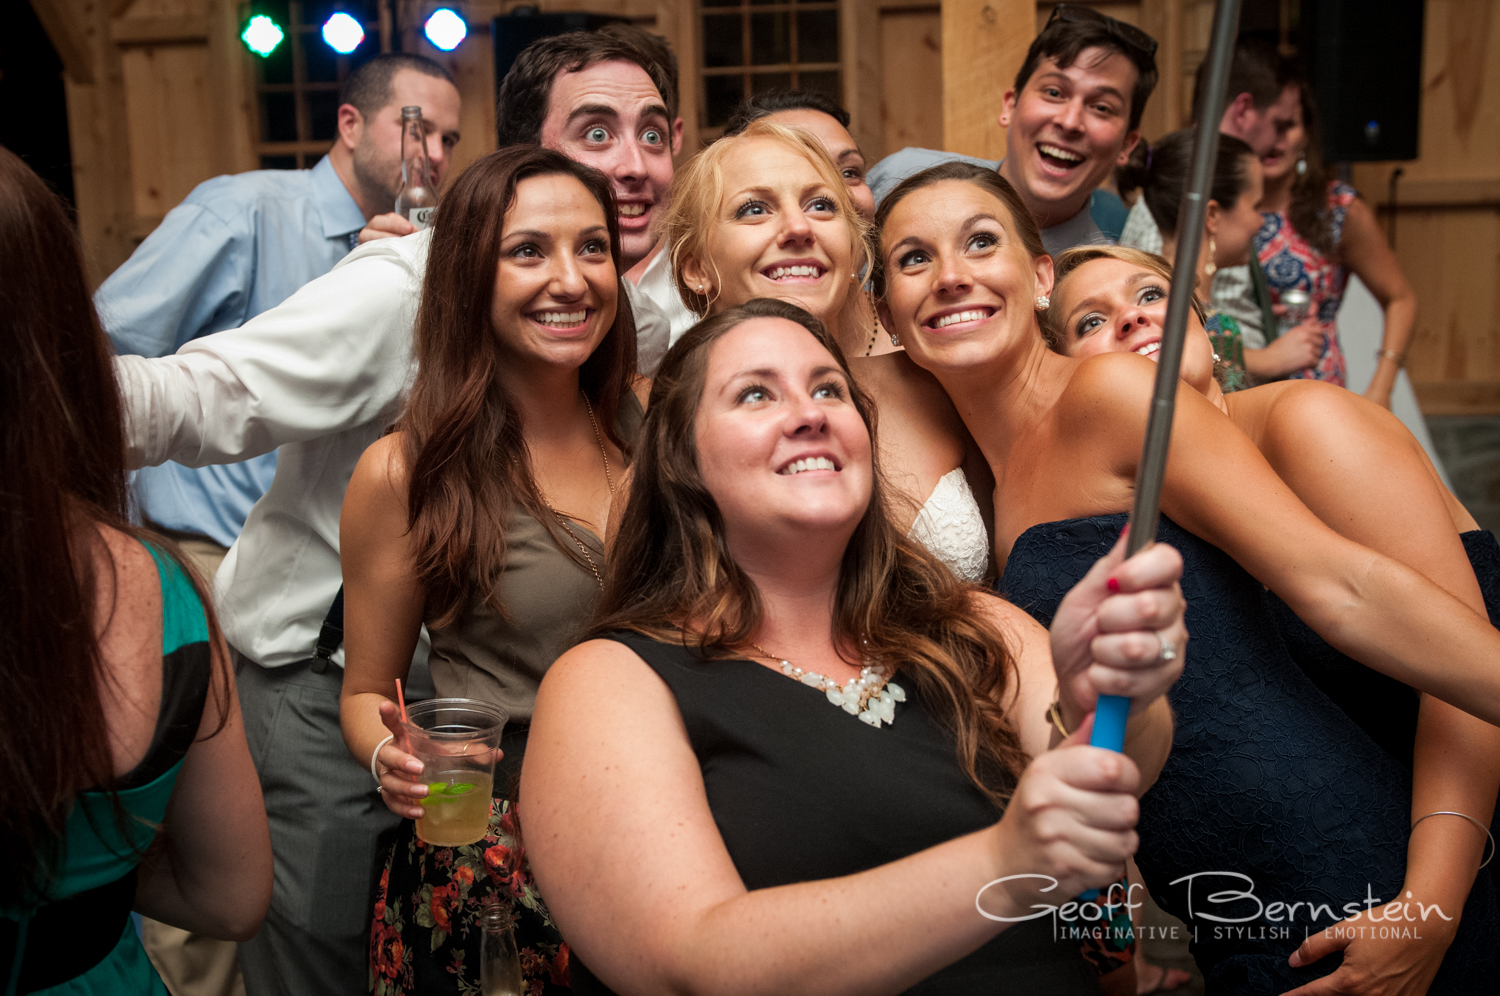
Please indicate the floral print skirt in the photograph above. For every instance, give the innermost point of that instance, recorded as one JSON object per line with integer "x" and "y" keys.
{"x": 426, "y": 933}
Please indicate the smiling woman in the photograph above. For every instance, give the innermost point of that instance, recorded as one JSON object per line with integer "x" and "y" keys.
{"x": 702, "y": 824}
{"x": 482, "y": 516}
{"x": 766, "y": 213}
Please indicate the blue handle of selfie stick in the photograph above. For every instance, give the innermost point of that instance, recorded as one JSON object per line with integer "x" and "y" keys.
{"x": 1110, "y": 716}
{"x": 1109, "y": 722}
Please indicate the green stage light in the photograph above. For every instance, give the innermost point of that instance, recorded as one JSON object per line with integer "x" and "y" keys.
{"x": 262, "y": 35}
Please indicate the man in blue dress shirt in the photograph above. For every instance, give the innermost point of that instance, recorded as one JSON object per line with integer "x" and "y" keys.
{"x": 240, "y": 245}
{"x": 236, "y": 247}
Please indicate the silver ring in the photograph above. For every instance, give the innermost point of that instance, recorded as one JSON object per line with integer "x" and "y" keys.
{"x": 1168, "y": 650}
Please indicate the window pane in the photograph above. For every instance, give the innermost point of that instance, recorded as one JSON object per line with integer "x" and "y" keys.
{"x": 277, "y": 67}
{"x": 761, "y": 82}
{"x": 722, "y": 43}
{"x": 720, "y": 3}
{"x": 770, "y": 39}
{"x": 278, "y": 162}
{"x": 822, "y": 82}
{"x": 322, "y": 61}
{"x": 278, "y": 118}
{"x": 722, "y": 94}
{"x": 818, "y": 36}
{"x": 323, "y": 114}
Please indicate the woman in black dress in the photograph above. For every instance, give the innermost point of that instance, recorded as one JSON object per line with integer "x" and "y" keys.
{"x": 729, "y": 793}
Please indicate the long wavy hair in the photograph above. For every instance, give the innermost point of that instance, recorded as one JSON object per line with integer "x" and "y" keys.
{"x": 1309, "y": 210}
{"x": 465, "y": 444}
{"x": 672, "y": 577}
{"x": 699, "y": 188}
{"x": 62, "y": 444}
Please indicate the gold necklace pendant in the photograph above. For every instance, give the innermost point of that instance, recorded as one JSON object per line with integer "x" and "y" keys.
{"x": 609, "y": 482}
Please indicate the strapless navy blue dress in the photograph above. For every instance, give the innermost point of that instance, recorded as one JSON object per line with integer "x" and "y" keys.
{"x": 1271, "y": 795}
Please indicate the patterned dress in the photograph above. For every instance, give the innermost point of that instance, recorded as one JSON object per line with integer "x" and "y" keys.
{"x": 1290, "y": 261}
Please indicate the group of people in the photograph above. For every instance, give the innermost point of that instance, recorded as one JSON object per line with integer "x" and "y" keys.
{"x": 711, "y": 483}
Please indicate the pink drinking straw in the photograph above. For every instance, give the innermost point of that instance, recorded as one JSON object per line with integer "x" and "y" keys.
{"x": 401, "y": 698}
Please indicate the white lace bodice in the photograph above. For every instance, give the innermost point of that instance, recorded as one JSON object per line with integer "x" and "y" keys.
{"x": 951, "y": 526}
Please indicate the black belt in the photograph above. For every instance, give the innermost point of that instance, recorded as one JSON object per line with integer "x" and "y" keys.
{"x": 65, "y": 938}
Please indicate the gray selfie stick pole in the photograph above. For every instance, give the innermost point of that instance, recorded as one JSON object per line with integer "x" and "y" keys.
{"x": 1113, "y": 710}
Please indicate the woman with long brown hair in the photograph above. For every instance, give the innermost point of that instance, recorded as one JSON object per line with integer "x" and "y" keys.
{"x": 118, "y": 714}
{"x": 1268, "y": 781}
{"x": 800, "y": 752}
{"x": 482, "y": 516}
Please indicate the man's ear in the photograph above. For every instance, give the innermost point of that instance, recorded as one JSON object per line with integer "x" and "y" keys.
{"x": 677, "y": 137}
{"x": 1007, "y": 107}
{"x": 1131, "y": 141}
{"x": 1235, "y": 112}
{"x": 351, "y": 125}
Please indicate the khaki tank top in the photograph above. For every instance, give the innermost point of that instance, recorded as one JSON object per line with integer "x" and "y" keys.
{"x": 548, "y": 598}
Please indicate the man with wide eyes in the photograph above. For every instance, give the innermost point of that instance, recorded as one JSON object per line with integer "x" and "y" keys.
{"x": 318, "y": 379}
{"x": 1072, "y": 116}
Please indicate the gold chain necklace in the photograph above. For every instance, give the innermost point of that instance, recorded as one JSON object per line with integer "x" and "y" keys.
{"x": 872, "y": 696}
{"x": 608, "y": 480}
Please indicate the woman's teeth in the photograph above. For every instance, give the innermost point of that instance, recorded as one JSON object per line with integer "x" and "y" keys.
{"x": 960, "y": 316}
{"x": 811, "y": 463}
{"x": 1149, "y": 350}
{"x": 632, "y": 210}
{"x": 779, "y": 272}
{"x": 560, "y": 318}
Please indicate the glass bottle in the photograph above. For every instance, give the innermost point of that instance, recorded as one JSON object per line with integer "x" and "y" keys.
{"x": 415, "y": 201}
{"x": 499, "y": 961}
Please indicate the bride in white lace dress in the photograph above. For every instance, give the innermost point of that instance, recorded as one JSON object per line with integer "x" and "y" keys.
{"x": 766, "y": 214}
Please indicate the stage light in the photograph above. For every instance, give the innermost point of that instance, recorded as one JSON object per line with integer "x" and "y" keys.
{"x": 343, "y": 33}
{"x": 445, "y": 29}
{"x": 262, "y": 35}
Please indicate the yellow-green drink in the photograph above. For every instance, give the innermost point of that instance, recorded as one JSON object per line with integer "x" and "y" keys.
{"x": 457, "y": 741}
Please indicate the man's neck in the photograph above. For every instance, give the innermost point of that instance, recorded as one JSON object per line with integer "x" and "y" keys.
{"x": 1048, "y": 214}
{"x": 634, "y": 271}
{"x": 342, "y": 161}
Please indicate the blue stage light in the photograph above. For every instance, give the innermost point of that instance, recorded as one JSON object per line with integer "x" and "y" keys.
{"x": 445, "y": 29}
{"x": 343, "y": 33}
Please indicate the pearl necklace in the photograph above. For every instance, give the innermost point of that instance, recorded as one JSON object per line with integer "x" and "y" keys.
{"x": 872, "y": 696}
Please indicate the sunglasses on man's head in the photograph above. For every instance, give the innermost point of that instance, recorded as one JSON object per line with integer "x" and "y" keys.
{"x": 1128, "y": 34}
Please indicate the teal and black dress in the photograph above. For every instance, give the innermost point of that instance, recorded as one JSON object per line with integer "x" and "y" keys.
{"x": 82, "y": 940}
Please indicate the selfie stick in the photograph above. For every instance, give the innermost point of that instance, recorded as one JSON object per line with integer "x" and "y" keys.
{"x": 1113, "y": 710}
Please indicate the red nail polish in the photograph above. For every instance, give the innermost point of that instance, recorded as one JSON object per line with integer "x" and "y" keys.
{"x": 1126, "y": 531}
{"x": 1113, "y": 584}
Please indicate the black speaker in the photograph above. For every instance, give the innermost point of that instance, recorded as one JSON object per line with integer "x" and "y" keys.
{"x": 514, "y": 31}
{"x": 1365, "y": 61}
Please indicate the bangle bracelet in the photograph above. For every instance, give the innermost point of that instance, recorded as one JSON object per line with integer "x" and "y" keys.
{"x": 1386, "y": 354}
{"x": 1481, "y": 826}
{"x": 376, "y": 753}
{"x": 1054, "y": 716}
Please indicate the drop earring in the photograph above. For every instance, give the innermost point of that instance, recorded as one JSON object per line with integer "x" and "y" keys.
{"x": 1302, "y": 166}
{"x": 1211, "y": 268}
{"x": 1043, "y": 302}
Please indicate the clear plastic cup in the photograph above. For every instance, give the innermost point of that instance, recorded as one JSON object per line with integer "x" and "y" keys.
{"x": 457, "y": 741}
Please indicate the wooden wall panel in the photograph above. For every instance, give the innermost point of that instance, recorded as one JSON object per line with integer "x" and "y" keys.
{"x": 473, "y": 67}
{"x": 168, "y": 111}
{"x": 911, "y": 101}
{"x": 984, "y": 43}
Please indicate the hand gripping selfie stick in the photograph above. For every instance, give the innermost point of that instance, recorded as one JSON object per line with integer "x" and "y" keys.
{"x": 1113, "y": 710}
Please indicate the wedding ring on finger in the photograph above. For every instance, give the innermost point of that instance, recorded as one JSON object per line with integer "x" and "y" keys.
{"x": 1168, "y": 652}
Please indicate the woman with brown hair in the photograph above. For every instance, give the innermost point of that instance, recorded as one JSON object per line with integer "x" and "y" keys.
{"x": 1359, "y": 470}
{"x": 800, "y": 752}
{"x": 481, "y": 516}
{"x": 119, "y": 724}
{"x": 766, "y": 213}
{"x": 1268, "y": 781}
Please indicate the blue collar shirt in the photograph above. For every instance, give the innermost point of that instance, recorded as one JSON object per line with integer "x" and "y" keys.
{"x": 235, "y": 247}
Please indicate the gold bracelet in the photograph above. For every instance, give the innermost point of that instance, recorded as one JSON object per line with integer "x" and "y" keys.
{"x": 1386, "y": 354}
{"x": 1054, "y": 716}
{"x": 1484, "y": 829}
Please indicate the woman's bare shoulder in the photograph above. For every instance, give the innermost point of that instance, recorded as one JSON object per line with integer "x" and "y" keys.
{"x": 382, "y": 470}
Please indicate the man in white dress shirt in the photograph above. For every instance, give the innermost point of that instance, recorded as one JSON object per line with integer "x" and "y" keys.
{"x": 318, "y": 379}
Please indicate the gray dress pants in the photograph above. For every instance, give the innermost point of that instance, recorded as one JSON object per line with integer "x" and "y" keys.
{"x": 327, "y": 829}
